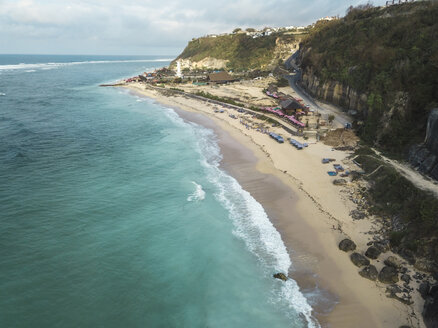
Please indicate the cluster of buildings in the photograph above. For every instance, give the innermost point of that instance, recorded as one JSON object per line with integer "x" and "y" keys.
{"x": 264, "y": 32}
{"x": 166, "y": 75}
{"x": 289, "y": 105}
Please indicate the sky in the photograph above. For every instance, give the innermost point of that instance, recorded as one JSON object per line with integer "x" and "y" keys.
{"x": 143, "y": 27}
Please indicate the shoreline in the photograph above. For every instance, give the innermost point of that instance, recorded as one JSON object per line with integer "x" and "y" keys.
{"x": 311, "y": 231}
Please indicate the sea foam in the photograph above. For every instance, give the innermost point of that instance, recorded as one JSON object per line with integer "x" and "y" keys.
{"x": 198, "y": 194}
{"x": 49, "y": 66}
{"x": 251, "y": 223}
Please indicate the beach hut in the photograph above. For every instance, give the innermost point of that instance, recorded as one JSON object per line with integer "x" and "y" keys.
{"x": 220, "y": 78}
{"x": 290, "y": 106}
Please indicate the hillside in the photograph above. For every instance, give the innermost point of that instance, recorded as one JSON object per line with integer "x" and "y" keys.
{"x": 382, "y": 63}
{"x": 239, "y": 51}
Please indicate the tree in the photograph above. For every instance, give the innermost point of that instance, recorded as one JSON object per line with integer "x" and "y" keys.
{"x": 250, "y": 29}
{"x": 237, "y": 30}
{"x": 331, "y": 117}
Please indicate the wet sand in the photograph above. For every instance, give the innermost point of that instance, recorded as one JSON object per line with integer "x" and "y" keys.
{"x": 309, "y": 223}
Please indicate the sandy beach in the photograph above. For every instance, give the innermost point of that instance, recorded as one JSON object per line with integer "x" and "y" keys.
{"x": 311, "y": 213}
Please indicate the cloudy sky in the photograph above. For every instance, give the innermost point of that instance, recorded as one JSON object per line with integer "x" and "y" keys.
{"x": 139, "y": 27}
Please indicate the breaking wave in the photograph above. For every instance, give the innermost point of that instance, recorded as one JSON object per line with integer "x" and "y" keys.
{"x": 251, "y": 224}
{"x": 198, "y": 194}
{"x": 48, "y": 66}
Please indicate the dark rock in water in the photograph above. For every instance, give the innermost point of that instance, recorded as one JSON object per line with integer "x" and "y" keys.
{"x": 388, "y": 275}
{"x": 430, "y": 310}
{"x": 370, "y": 272}
{"x": 372, "y": 252}
{"x": 392, "y": 261}
{"x": 424, "y": 289}
{"x": 347, "y": 245}
{"x": 339, "y": 182}
{"x": 359, "y": 260}
{"x": 280, "y": 276}
{"x": 406, "y": 278}
{"x": 404, "y": 327}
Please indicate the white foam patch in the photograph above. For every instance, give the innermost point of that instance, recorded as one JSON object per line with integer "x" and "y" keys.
{"x": 48, "y": 66}
{"x": 251, "y": 223}
{"x": 2, "y": 94}
{"x": 198, "y": 194}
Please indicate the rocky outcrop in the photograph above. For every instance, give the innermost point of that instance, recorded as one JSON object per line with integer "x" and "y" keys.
{"x": 347, "y": 245}
{"x": 370, "y": 272}
{"x": 392, "y": 261}
{"x": 388, "y": 275}
{"x": 359, "y": 260}
{"x": 372, "y": 252}
{"x": 339, "y": 182}
{"x": 334, "y": 92}
{"x": 430, "y": 310}
{"x": 425, "y": 155}
{"x": 280, "y": 276}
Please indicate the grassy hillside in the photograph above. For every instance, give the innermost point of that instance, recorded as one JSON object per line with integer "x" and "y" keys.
{"x": 242, "y": 51}
{"x": 390, "y": 54}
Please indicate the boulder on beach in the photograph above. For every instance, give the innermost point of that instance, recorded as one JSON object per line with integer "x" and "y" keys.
{"x": 359, "y": 260}
{"x": 406, "y": 278}
{"x": 339, "y": 182}
{"x": 392, "y": 261}
{"x": 372, "y": 252}
{"x": 388, "y": 275}
{"x": 280, "y": 276}
{"x": 370, "y": 272}
{"x": 347, "y": 245}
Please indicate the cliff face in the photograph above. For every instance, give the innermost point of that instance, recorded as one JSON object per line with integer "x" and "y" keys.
{"x": 381, "y": 63}
{"x": 238, "y": 51}
{"x": 425, "y": 155}
{"x": 334, "y": 92}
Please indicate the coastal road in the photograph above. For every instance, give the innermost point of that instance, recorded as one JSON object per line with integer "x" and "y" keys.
{"x": 341, "y": 118}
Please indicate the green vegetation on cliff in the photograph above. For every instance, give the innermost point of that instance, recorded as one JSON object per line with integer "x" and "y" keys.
{"x": 410, "y": 214}
{"x": 242, "y": 51}
{"x": 391, "y": 55}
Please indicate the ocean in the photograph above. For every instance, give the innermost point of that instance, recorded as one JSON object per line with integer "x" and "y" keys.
{"x": 115, "y": 212}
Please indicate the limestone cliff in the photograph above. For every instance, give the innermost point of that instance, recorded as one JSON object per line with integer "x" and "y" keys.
{"x": 334, "y": 92}
{"x": 425, "y": 155}
{"x": 382, "y": 64}
{"x": 238, "y": 51}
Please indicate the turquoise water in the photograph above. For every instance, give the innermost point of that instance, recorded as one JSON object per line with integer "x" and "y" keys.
{"x": 115, "y": 212}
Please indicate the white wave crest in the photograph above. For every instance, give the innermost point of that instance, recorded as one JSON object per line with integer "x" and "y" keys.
{"x": 198, "y": 194}
{"x": 251, "y": 223}
{"x": 48, "y": 66}
{"x": 2, "y": 94}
